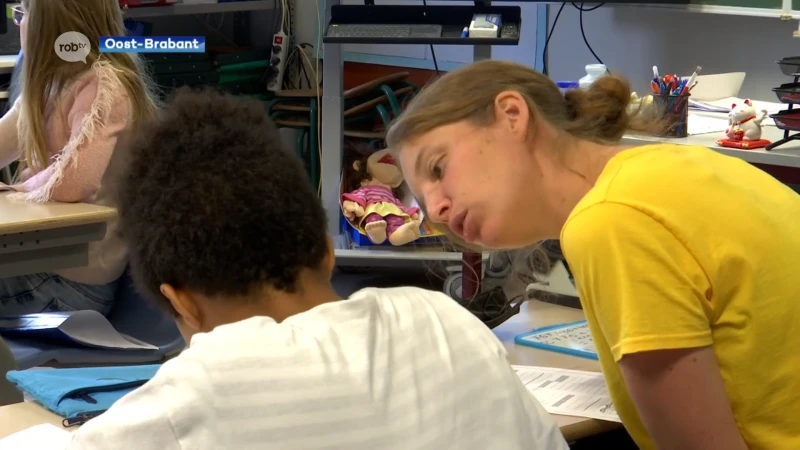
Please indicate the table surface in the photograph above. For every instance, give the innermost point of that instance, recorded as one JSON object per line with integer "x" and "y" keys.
{"x": 19, "y": 217}
{"x": 17, "y": 417}
{"x": 787, "y": 155}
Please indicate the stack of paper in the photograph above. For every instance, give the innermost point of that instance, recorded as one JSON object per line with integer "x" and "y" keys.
{"x": 569, "y": 392}
{"x": 724, "y": 105}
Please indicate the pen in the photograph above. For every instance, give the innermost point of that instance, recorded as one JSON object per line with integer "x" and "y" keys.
{"x": 655, "y": 73}
{"x": 691, "y": 83}
{"x": 465, "y": 32}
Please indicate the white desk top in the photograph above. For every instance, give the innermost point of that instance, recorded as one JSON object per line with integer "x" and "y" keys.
{"x": 7, "y": 63}
{"x": 14, "y": 418}
{"x": 787, "y": 155}
{"x": 18, "y": 217}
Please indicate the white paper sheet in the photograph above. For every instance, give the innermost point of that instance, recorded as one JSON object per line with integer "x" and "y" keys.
{"x": 39, "y": 437}
{"x": 724, "y": 105}
{"x": 699, "y": 124}
{"x": 569, "y": 392}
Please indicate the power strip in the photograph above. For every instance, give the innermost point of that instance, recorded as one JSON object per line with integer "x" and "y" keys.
{"x": 280, "y": 53}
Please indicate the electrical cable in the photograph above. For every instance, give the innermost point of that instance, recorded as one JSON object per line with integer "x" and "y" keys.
{"x": 550, "y": 35}
{"x": 583, "y": 31}
{"x": 433, "y": 52}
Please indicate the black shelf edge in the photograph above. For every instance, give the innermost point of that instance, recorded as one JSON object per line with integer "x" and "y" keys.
{"x": 425, "y": 41}
{"x": 453, "y": 19}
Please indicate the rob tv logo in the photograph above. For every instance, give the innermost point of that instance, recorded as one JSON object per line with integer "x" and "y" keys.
{"x": 72, "y": 47}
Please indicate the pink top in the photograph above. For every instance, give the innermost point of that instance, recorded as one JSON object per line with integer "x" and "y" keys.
{"x": 371, "y": 193}
{"x": 84, "y": 128}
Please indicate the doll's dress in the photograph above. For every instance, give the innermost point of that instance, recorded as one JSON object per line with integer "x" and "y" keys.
{"x": 379, "y": 201}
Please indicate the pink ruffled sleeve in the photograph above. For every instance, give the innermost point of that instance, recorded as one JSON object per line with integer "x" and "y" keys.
{"x": 98, "y": 116}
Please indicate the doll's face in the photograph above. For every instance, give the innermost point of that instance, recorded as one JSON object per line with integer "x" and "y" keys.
{"x": 382, "y": 166}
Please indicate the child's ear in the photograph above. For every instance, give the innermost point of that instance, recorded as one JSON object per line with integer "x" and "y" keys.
{"x": 356, "y": 165}
{"x": 329, "y": 263}
{"x": 184, "y": 305}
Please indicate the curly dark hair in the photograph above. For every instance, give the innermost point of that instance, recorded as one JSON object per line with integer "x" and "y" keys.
{"x": 212, "y": 202}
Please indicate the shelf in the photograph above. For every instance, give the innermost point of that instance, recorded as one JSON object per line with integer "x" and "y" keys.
{"x": 395, "y": 256}
{"x": 453, "y": 20}
{"x": 182, "y": 9}
{"x": 772, "y": 13}
{"x": 426, "y": 41}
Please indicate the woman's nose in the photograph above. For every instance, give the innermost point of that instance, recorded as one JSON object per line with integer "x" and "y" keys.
{"x": 439, "y": 211}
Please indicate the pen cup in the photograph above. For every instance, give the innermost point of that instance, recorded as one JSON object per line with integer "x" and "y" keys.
{"x": 674, "y": 110}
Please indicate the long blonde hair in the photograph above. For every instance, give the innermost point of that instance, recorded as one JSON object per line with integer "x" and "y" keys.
{"x": 44, "y": 75}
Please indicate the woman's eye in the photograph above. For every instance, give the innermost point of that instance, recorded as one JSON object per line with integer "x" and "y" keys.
{"x": 437, "y": 170}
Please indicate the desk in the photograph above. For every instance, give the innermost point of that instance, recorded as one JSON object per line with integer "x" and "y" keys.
{"x": 14, "y": 418}
{"x": 46, "y": 237}
{"x": 787, "y": 155}
{"x": 20, "y": 416}
{"x": 535, "y": 314}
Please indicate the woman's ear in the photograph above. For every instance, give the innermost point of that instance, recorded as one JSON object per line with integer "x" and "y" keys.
{"x": 185, "y": 305}
{"x": 512, "y": 110}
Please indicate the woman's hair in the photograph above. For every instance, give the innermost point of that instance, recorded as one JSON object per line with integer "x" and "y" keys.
{"x": 44, "y": 75}
{"x": 599, "y": 113}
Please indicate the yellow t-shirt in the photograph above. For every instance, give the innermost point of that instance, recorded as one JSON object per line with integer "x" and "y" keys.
{"x": 683, "y": 247}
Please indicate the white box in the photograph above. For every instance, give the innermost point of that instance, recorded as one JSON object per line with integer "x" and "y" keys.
{"x": 485, "y": 26}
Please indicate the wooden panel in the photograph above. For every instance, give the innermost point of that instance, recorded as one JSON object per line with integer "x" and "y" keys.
{"x": 359, "y": 73}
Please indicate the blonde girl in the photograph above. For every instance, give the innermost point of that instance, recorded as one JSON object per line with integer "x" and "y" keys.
{"x": 68, "y": 131}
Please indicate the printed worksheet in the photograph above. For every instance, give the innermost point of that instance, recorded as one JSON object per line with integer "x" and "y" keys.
{"x": 569, "y": 392}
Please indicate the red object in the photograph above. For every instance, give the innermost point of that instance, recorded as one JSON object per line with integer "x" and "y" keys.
{"x": 472, "y": 268}
{"x": 278, "y": 40}
{"x": 139, "y": 3}
{"x": 744, "y": 145}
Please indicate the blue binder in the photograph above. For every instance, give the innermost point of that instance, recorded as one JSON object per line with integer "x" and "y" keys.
{"x": 570, "y": 338}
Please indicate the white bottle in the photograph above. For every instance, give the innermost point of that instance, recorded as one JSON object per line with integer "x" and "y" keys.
{"x": 593, "y": 72}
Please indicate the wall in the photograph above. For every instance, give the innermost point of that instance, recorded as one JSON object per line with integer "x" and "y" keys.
{"x": 631, "y": 40}
{"x": 419, "y": 56}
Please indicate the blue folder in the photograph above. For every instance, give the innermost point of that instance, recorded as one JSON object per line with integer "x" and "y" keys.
{"x": 81, "y": 393}
{"x": 576, "y": 334}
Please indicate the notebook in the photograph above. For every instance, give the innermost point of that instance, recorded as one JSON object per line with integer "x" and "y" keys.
{"x": 570, "y": 338}
{"x": 82, "y": 328}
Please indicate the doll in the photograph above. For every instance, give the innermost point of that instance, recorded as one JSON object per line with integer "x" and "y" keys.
{"x": 371, "y": 201}
{"x": 744, "y": 129}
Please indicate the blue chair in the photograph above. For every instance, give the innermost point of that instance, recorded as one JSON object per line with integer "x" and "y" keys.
{"x": 132, "y": 315}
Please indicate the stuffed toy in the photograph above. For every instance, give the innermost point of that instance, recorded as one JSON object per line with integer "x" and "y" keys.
{"x": 371, "y": 200}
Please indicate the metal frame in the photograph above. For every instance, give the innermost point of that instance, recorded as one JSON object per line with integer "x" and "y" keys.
{"x": 332, "y": 126}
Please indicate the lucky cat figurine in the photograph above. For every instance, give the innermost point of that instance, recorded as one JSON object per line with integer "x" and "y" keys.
{"x": 744, "y": 122}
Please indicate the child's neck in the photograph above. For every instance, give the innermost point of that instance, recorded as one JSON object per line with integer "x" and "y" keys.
{"x": 279, "y": 305}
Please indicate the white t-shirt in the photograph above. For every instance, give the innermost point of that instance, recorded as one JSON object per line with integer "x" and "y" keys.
{"x": 400, "y": 368}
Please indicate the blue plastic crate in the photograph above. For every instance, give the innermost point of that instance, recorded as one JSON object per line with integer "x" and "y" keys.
{"x": 362, "y": 240}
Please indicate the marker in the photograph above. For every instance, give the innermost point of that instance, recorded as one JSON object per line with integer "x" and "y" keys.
{"x": 465, "y": 32}
{"x": 690, "y": 85}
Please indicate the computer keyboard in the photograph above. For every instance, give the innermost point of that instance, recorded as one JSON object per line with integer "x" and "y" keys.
{"x": 384, "y": 31}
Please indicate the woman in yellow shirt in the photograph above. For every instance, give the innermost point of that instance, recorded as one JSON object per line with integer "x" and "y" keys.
{"x": 683, "y": 257}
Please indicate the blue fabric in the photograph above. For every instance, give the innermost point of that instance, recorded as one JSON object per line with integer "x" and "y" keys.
{"x": 55, "y": 388}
